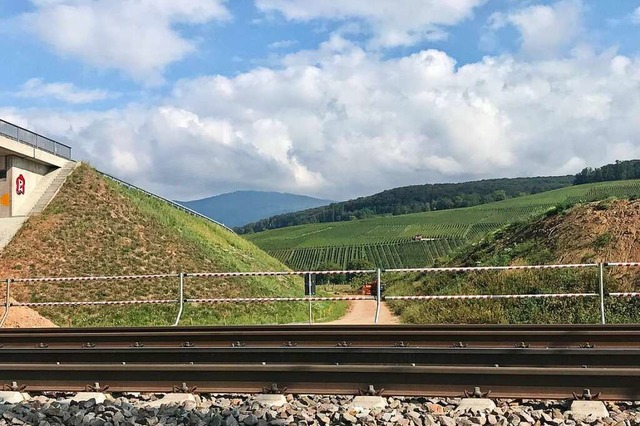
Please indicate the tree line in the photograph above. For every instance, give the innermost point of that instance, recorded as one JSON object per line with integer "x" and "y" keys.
{"x": 620, "y": 170}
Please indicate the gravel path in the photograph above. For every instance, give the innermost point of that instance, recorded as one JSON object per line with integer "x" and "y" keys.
{"x": 364, "y": 311}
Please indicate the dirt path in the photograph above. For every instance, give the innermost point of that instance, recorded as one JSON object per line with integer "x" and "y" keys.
{"x": 24, "y": 317}
{"x": 364, "y": 311}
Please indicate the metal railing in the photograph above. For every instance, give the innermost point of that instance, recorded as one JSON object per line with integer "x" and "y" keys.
{"x": 35, "y": 140}
{"x": 166, "y": 200}
{"x": 310, "y": 296}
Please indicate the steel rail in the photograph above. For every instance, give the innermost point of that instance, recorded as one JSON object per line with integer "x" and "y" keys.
{"x": 610, "y": 336}
{"x": 502, "y": 382}
{"x": 337, "y": 355}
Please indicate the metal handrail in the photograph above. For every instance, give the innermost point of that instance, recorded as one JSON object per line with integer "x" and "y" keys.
{"x": 172, "y": 203}
{"x": 27, "y": 137}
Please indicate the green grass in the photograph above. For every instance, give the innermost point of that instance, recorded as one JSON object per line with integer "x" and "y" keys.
{"x": 507, "y": 311}
{"x": 196, "y": 314}
{"x": 303, "y": 246}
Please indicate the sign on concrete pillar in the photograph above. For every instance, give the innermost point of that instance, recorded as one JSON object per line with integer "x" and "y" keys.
{"x": 20, "y": 185}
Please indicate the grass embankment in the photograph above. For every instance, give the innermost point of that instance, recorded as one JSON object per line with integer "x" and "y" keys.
{"x": 387, "y": 241}
{"x": 597, "y": 232}
{"x": 97, "y": 227}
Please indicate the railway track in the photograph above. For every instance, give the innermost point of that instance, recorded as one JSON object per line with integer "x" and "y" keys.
{"x": 506, "y": 336}
{"x": 508, "y": 361}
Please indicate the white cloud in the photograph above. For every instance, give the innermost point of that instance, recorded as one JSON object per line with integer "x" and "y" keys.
{"x": 66, "y": 92}
{"x": 340, "y": 123}
{"x": 137, "y": 37}
{"x": 635, "y": 16}
{"x": 392, "y": 23}
{"x": 545, "y": 30}
{"x": 282, "y": 44}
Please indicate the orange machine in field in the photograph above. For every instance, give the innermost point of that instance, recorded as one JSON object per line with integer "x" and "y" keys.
{"x": 370, "y": 288}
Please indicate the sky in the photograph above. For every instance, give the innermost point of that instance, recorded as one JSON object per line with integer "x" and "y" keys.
{"x": 334, "y": 99}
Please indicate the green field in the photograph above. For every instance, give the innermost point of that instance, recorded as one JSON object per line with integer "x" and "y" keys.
{"x": 387, "y": 241}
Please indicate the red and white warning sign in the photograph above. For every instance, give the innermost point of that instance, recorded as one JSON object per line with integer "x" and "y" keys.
{"x": 20, "y": 185}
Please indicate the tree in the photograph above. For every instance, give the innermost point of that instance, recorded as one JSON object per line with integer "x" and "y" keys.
{"x": 358, "y": 265}
{"x": 500, "y": 195}
{"x": 333, "y": 278}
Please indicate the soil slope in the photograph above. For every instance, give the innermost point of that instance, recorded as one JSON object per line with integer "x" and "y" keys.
{"x": 607, "y": 230}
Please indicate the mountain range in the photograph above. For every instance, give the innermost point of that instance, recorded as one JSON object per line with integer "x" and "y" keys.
{"x": 242, "y": 207}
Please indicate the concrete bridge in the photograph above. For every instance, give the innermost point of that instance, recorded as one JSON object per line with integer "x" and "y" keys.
{"x": 32, "y": 170}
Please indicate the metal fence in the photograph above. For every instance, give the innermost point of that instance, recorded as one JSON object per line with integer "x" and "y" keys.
{"x": 35, "y": 140}
{"x": 181, "y": 300}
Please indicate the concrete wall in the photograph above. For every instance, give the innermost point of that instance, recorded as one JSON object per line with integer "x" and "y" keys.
{"x": 32, "y": 173}
{"x": 5, "y": 190}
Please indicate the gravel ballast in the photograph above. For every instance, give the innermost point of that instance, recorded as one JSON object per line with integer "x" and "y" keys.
{"x": 231, "y": 410}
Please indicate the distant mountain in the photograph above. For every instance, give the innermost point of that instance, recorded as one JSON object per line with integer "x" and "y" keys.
{"x": 242, "y": 207}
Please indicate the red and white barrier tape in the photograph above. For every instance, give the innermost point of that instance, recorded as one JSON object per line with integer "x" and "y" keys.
{"x": 278, "y": 299}
{"x": 629, "y": 264}
{"x": 103, "y": 278}
{"x": 625, "y": 294}
{"x": 491, "y": 296}
{"x": 114, "y": 302}
{"x": 302, "y": 273}
{"x": 285, "y": 273}
{"x": 494, "y": 268}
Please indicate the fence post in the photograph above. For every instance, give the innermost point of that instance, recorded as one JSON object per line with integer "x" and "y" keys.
{"x": 378, "y": 293}
{"x": 310, "y": 293}
{"x": 181, "y": 299}
{"x": 7, "y": 304}
{"x": 602, "y": 319}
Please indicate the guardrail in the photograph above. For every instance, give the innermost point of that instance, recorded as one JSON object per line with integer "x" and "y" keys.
{"x": 310, "y": 297}
{"x": 172, "y": 203}
{"x": 35, "y": 140}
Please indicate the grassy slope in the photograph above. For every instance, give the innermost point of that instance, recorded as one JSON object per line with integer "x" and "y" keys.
{"x": 469, "y": 223}
{"x": 601, "y": 231}
{"x": 96, "y": 227}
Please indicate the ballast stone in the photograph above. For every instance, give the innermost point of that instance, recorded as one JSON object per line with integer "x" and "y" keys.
{"x": 86, "y": 396}
{"x": 13, "y": 397}
{"x": 584, "y": 409}
{"x": 475, "y": 405}
{"x": 364, "y": 402}
{"x": 271, "y": 400}
{"x": 173, "y": 398}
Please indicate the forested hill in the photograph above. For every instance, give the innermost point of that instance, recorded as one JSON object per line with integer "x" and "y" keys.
{"x": 620, "y": 170}
{"x": 413, "y": 199}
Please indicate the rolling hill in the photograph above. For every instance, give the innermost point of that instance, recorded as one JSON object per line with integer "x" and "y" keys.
{"x": 603, "y": 231}
{"x": 415, "y": 199}
{"x": 242, "y": 207}
{"x": 96, "y": 227}
{"x": 418, "y": 239}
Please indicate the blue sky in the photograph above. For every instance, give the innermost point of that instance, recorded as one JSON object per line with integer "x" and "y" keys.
{"x": 332, "y": 99}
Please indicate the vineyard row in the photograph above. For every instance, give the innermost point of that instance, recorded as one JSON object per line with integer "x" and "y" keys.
{"x": 405, "y": 254}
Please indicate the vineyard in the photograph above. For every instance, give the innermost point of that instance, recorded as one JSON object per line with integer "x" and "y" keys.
{"x": 388, "y": 242}
{"x": 404, "y": 253}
